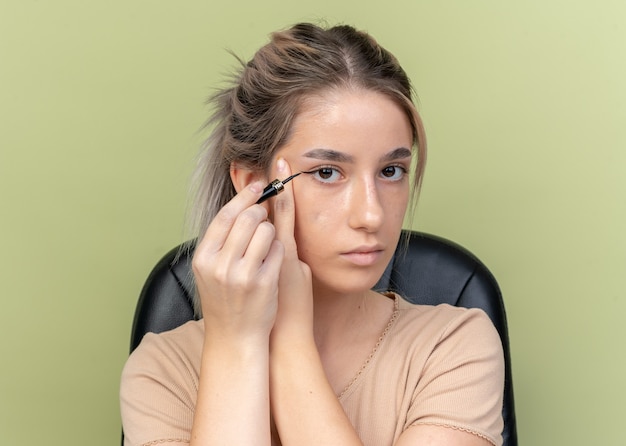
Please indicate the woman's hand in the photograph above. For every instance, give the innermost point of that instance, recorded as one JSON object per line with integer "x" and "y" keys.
{"x": 236, "y": 268}
{"x": 304, "y": 406}
{"x": 295, "y": 296}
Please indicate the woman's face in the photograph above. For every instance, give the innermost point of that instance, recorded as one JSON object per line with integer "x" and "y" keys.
{"x": 349, "y": 212}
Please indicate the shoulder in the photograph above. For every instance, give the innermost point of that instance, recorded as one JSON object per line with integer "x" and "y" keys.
{"x": 162, "y": 356}
{"x": 436, "y": 365}
{"x": 443, "y": 336}
{"x": 460, "y": 375}
{"x": 443, "y": 322}
{"x": 167, "y": 353}
{"x": 176, "y": 338}
{"x": 182, "y": 344}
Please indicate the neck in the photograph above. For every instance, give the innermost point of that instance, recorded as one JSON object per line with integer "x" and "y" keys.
{"x": 337, "y": 315}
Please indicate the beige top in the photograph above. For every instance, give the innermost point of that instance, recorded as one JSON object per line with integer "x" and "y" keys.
{"x": 437, "y": 365}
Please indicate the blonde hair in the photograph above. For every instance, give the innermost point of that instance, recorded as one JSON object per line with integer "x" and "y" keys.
{"x": 251, "y": 119}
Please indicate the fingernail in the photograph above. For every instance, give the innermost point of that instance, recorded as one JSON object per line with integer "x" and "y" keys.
{"x": 256, "y": 187}
{"x": 281, "y": 165}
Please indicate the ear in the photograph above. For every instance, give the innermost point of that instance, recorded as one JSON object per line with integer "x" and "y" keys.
{"x": 242, "y": 176}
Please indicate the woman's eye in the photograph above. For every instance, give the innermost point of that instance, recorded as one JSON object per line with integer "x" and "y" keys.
{"x": 327, "y": 174}
{"x": 394, "y": 172}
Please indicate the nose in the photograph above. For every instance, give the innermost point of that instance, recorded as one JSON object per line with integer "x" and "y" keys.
{"x": 366, "y": 211}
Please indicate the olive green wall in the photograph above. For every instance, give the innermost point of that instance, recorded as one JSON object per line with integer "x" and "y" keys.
{"x": 524, "y": 104}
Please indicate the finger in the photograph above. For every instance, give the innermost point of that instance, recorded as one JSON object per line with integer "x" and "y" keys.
{"x": 284, "y": 208}
{"x": 259, "y": 246}
{"x": 270, "y": 269}
{"x": 242, "y": 232}
{"x": 219, "y": 229}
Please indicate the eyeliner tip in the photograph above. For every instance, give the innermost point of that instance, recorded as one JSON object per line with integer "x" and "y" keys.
{"x": 288, "y": 179}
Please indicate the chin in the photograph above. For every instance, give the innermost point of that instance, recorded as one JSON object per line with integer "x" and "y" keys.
{"x": 348, "y": 280}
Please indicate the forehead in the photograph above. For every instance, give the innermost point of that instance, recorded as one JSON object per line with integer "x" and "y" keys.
{"x": 348, "y": 119}
{"x": 334, "y": 99}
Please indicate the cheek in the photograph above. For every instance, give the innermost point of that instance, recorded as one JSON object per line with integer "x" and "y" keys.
{"x": 395, "y": 202}
{"x": 310, "y": 225}
{"x": 316, "y": 225}
{"x": 396, "y": 209}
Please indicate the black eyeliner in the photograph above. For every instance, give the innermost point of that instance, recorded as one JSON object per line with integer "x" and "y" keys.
{"x": 277, "y": 186}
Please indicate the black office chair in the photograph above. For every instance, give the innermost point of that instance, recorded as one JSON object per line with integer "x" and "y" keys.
{"x": 426, "y": 270}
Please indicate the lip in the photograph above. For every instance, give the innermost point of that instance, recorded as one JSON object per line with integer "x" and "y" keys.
{"x": 363, "y": 256}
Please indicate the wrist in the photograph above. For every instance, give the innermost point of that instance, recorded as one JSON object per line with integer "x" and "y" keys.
{"x": 292, "y": 349}
{"x": 244, "y": 349}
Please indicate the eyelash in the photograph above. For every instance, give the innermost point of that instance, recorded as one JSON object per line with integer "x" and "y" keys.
{"x": 315, "y": 172}
{"x": 403, "y": 171}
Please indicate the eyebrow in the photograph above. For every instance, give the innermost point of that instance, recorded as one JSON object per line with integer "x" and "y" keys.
{"x": 340, "y": 157}
{"x": 329, "y": 155}
{"x": 396, "y": 154}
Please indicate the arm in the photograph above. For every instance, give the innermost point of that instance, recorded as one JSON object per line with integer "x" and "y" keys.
{"x": 305, "y": 408}
{"x": 233, "y": 395}
{"x": 236, "y": 267}
{"x": 304, "y": 405}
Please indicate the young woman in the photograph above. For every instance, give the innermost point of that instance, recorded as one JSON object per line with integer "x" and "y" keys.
{"x": 294, "y": 347}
